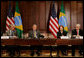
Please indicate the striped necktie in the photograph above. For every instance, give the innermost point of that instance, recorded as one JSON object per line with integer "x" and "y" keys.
{"x": 35, "y": 34}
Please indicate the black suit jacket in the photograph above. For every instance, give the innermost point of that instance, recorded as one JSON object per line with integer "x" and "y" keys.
{"x": 60, "y": 34}
{"x": 74, "y": 32}
{"x": 1, "y": 33}
{"x": 31, "y": 34}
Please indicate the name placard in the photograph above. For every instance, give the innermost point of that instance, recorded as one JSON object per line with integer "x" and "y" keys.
{"x": 80, "y": 37}
{"x": 4, "y": 37}
{"x": 65, "y": 37}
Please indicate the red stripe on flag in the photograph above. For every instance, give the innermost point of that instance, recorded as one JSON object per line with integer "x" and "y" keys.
{"x": 54, "y": 23}
{"x": 9, "y": 21}
{"x": 7, "y": 25}
{"x": 52, "y": 33}
{"x": 12, "y": 20}
{"x": 53, "y": 28}
{"x": 56, "y": 20}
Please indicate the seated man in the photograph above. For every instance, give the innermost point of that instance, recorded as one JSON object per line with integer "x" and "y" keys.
{"x": 59, "y": 34}
{"x": 35, "y": 34}
{"x": 11, "y": 32}
{"x": 77, "y": 32}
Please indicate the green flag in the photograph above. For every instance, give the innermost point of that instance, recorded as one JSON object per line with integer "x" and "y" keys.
{"x": 62, "y": 18}
{"x": 18, "y": 22}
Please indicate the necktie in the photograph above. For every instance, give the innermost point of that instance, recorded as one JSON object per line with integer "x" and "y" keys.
{"x": 34, "y": 34}
{"x": 77, "y": 32}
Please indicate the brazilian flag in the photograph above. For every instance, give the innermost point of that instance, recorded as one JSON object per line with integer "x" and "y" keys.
{"x": 62, "y": 18}
{"x": 18, "y": 22}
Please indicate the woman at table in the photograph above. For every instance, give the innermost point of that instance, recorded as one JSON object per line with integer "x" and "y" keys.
{"x": 62, "y": 32}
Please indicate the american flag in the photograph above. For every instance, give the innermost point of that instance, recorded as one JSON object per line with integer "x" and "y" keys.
{"x": 53, "y": 23}
{"x": 10, "y": 19}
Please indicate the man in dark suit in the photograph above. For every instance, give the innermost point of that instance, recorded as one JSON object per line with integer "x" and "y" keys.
{"x": 34, "y": 33}
{"x": 77, "y": 32}
{"x": 1, "y": 33}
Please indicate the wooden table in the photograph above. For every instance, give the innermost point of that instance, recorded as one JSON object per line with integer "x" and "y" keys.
{"x": 43, "y": 42}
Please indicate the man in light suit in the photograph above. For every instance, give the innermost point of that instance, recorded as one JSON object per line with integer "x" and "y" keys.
{"x": 33, "y": 34}
{"x": 11, "y": 31}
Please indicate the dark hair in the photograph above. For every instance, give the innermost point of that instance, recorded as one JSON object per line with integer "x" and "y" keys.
{"x": 62, "y": 27}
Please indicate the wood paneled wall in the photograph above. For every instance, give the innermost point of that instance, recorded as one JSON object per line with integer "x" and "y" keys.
{"x": 38, "y": 12}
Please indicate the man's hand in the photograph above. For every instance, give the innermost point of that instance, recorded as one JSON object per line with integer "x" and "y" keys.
{"x": 62, "y": 35}
{"x": 78, "y": 35}
{"x": 26, "y": 35}
{"x": 15, "y": 37}
{"x": 74, "y": 35}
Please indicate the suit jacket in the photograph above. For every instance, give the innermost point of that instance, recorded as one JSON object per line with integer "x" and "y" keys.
{"x": 1, "y": 33}
{"x": 31, "y": 34}
{"x": 13, "y": 33}
{"x": 60, "y": 34}
{"x": 74, "y": 32}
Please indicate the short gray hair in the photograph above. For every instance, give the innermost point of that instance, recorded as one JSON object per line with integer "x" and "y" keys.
{"x": 78, "y": 25}
{"x": 34, "y": 24}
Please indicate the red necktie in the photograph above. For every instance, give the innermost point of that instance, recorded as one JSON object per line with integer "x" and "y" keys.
{"x": 77, "y": 32}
